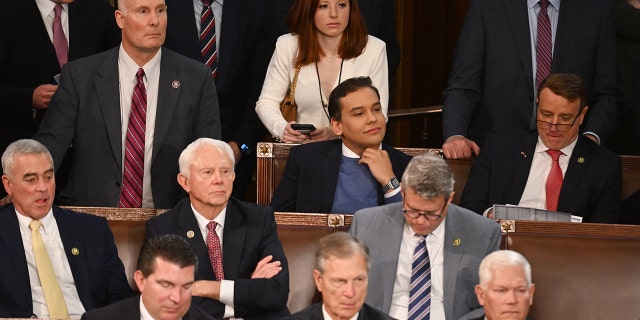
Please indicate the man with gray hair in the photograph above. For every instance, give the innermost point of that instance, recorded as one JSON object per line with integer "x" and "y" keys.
{"x": 243, "y": 271}
{"x": 425, "y": 251}
{"x": 340, "y": 274}
{"x": 54, "y": 263}
{"x": 505, "y": 288}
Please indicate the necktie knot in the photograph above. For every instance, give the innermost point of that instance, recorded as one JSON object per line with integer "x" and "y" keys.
{"x": 57, "y": 10}
{"x": 543, "y": 4}
{"x": 211, "y": 226}
{"x": 555, "y": 154}
{"x": 206, "y": 3}
{"x": 140, "y": 74}
{"x": 35, "y": 225}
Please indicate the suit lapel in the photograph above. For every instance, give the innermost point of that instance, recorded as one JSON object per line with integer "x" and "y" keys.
{"x": 568, "y": 21}
{"x": 108, "y": 92}
{"x": 187, "y": 223}
{"x": 579, "y": 162}
{"x": 329, "y": 168}
{"x": 523, "y": 158}
{"x": 72, "y": 240}
{"x": 390, "y": 238}
{"x": 11, "y": 242}
{"x": 454, "y": 233}
{"x": 518, "y": 19}
{"x": 169, "y": 88}
{"x": 234, "y": 241}
{"x": 37, "y": 32}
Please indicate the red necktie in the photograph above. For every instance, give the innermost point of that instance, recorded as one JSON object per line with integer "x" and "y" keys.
{"x": 59, "y": 40}
{"x": 208, "y": 37}
{"x": 215, "y": 250}
{"x": 554, "y": 181}
{"x": 131, "y": 195}
{"x": 543, "y": 45}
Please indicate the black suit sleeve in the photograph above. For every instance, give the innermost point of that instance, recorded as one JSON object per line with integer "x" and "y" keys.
{"x": 475, "y": 195}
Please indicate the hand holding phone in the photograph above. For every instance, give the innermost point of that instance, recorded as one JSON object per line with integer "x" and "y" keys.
{"x": 303, "y": 128}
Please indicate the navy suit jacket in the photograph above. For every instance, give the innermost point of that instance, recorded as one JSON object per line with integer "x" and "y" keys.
{"x": 491, "y": 84}
{"x": 250, "y": 234}
{"x": 28, "y": 58}
{"x": 85, "y": 112}
{"x": 311, "y": 175}
{"x": 244, "y": 53}
{"x": 314, "y": 312}
{"x": 129, "y": 309}
{"x": 97, "y": 270}
{"x": 591, "y": 187}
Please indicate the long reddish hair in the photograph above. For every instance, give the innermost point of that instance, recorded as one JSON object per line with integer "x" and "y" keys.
{"x": 300, "y": 22}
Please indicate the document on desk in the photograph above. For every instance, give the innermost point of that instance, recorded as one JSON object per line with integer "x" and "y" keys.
{"x": 512, "y": 212}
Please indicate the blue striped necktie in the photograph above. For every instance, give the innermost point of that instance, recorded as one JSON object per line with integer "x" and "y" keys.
{"x": 420, "y": 287}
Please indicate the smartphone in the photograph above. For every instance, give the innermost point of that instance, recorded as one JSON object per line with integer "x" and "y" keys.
{"x": 303, "y": 128}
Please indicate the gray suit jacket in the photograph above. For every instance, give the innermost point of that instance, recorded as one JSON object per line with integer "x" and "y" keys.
{"x": 85, "y": 112}
{"x": 381, "y": 229}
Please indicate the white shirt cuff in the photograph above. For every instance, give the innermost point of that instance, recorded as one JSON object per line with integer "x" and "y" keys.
{"x": 226, "y": 296}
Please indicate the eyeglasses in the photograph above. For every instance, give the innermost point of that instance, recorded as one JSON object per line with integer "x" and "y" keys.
{"x": 414, "y": 214}
{"x": 562, "y": 127}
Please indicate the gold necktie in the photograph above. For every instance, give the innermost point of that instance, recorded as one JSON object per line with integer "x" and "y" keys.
{"x": 52, "y": 293}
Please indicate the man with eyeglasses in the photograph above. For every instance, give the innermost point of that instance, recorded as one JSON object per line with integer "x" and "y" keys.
{"x": 520, "y": 169}
{"x": 243, "y": 271}
{"x": 425, "y": 251}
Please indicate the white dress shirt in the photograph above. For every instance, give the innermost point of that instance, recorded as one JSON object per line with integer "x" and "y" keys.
{"x": 127, "y": 75}
{"x": 400, "y": 297}
{"x": 46, "y": 10}
{"x": 53, "y": 243}
{"x": 326, "y": 316}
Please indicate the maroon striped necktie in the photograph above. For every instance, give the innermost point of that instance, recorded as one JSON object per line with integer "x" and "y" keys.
{"x": 209, "y": 49}
{"x": 543, "y": 45}
{"x": 131, "y": 194}
{"x": 59, "y": 40}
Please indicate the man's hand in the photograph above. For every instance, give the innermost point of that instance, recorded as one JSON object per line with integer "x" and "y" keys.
{"x": 207, "y": 289}
{"x": 320, "y": 134}
{"x": 236, "y": 150}
{"x": 266, "y": 269}
{"x": 379, "y": 164}
{"x": 293, "y": 136}
{"x": 459, "y": 147}
{"x": 41, "y": 97}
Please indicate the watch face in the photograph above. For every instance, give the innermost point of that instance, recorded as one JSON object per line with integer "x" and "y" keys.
{"x": 394, "y": 182}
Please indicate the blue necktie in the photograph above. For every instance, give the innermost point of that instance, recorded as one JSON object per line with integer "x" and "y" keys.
{"x": 420, "y": 287}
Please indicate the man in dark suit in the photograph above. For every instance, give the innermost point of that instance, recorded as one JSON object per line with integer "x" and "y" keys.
{"x": 347, "y": 174}
{"x": 505, "y": 289}
{"x": 492, "y": 86}
{"x": 341, "y": 275}
{"x": 515, "y": 168}
{"x": 91, "y": 111}
{"x": 80, "y": 247}
{"x": 430, "y": 238}
{"x": 379, "y": 17}
{"x": 164, "y": 275}
{"x": 244, "y": 48}
{"x": 243, "y": 271}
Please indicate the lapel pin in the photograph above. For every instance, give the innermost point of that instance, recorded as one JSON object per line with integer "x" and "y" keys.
{"x": 457, "y": 242}
{"x": 580, "y": 159}
{"x": 190, "y": 234}
{"x": 75, "y": 251}
{"x": 524, "y": 155}
{"x": 175, "y": 84}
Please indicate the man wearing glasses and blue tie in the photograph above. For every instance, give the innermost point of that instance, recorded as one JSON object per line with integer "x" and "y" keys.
{"x": 425, "y": 251}
{"x": 554, "y": 168}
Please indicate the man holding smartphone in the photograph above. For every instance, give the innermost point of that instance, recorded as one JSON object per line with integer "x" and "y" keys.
{"x": 347, "y": 174}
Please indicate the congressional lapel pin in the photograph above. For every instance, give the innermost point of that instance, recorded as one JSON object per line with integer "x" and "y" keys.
{"x": 524, "y": 155}
{"x": 75, "y": 251}
{"x": 175, "y": 84}
{"x": 457, "y": 242}
{"x": 190, "y": 234}
{"x": 581, "y": 160}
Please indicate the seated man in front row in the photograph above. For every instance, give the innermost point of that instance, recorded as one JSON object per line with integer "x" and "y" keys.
{"x": 425, "y": 251}
{"x": 243, "y": 272}
{"x": 341, "y": 275}
{"x": 585, "y": 179}
{"x": 347, "y": 174}
{"x": 54, "y": 263}
{"x": 164, "y": 275}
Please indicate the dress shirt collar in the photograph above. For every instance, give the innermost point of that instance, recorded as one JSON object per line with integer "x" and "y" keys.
{"x": 326, "y": 315}
{"x": 438, "y": 232}
{"x": 567, "y": 151}
{"x": 48, "y": 222}
{"x": 46, "y": 7}
{"x": 203, "y": 222}
{"x": 554, "y": 3}
{"x": 130, "y": 67}
{"x": 349, "y": 153}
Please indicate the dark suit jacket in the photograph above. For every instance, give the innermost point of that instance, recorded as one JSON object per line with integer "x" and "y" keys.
{"x": 314, "y": 312}
{"x": 28, "y": 58}
{"x": 311, "y": 175}
{"x": 249, "y": 235}
{"x": 491, "y": 83}
{"x": 85, "y": 112}
{"x": 591, "y": 186}
{"x": 129, "y": 309}
{"x": 244, "y": 53}
{"x": 97, "y": 271}
{"x": 379, "y": 17}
